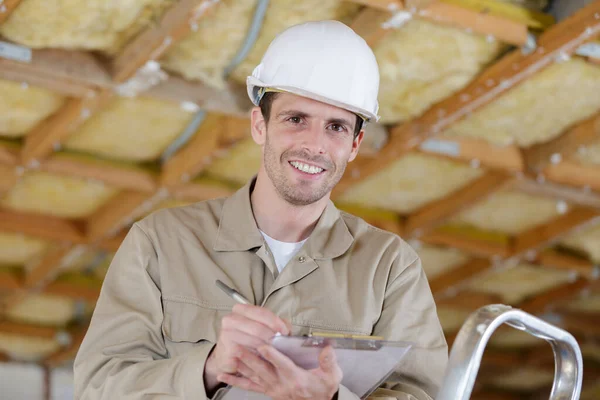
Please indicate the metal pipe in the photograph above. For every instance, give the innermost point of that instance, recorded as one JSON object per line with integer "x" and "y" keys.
{"x": 467, "y": 352}
{"x": 253, "y": 31}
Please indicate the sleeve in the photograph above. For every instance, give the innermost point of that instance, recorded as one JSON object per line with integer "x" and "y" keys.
{"x": 123, "y": 355}
{"x": 409, "y": 314}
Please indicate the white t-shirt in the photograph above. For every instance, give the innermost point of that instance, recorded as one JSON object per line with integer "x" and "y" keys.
{"x": 282, "y": 251}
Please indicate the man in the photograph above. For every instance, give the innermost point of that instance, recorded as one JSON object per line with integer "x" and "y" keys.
{"x": 163, "y": 329}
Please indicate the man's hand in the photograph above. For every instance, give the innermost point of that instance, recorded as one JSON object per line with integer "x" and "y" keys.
{"x": 279, "y": 378}
{"x": 244, "y": 330}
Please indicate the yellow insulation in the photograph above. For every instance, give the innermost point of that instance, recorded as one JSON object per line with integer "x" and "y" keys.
{"x": 104, "y": 25}
{"x": 518, "y": 283}
{"x": 586, "y": 240}
{"x": 411, "y": 182}
{"x": 204, "y": 54}
{"x": 57, "y": 195}
{"x": 585, "y": 304}
{"x": 539, "y": 109}
{"x": 131, "y": 129}
{"x": 22, "y": 107}
{"x": 423, "y": 62}
{"x": 451, "y": 319}
{"x": 237, "y": 164}
{"x": 282, "y": 14}
{"x": 43, "y": 309}
{"x": 27, "y": 348}
{"x": 18, "y": 249}
{"x": 437, "y": 260}
{"x": 509, "y": 212}
{"x": 589, "y": 155}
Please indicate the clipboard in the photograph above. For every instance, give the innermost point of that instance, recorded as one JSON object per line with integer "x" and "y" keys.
{"x": 366, "y": 361}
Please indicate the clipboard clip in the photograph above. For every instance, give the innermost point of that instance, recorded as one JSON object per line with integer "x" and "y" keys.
{"x": 343, "y": 341}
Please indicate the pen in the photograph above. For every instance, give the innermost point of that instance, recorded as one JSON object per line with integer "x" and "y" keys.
{"x": 232, "y": 293}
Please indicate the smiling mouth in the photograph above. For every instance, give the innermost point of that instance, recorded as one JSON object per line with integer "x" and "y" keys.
{"x": 307, "y": 168}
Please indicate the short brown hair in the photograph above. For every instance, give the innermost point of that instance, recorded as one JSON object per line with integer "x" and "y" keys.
{"x": 267, "y": 101}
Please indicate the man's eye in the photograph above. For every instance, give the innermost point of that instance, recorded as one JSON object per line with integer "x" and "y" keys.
{"x": 338, "y": 127}
{"x": 295, "y": 120}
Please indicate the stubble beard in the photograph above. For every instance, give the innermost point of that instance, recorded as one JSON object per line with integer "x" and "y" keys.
{"x": 303, "y": 193}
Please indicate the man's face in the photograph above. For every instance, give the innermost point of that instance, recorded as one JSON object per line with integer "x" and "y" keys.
{"x": 306, "y": 146}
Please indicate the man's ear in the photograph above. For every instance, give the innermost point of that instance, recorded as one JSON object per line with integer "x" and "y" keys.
{"x": 356, "y": 145}
{"x": 258, "y": 126}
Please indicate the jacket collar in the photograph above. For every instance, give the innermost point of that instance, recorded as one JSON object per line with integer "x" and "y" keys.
{"x": 238, "y": 230}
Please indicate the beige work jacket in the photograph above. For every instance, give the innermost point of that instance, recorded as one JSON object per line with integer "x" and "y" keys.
{"x": 158, "y": 315}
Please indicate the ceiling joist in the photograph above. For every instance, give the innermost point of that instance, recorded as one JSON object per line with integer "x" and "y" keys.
{"x": 517, "y": 66}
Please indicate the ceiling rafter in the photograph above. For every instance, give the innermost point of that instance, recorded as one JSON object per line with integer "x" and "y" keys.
{"x": 6, "y": 8}
{"x": 512, "y": 69}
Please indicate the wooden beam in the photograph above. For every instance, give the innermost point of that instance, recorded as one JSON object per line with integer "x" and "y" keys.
{"x": 501, "y": 28}
{"x": 6, "y": 8}
{"x": 73, "y": 291}
{"x": 468, "y": 300}
{"x": 457, "y": 275}
{"x": 151, "y": 44}
{"x": 369, "y": 24}
{"x": 574, "y": 322}
{"x": 559, "y": 260}
{"x": 231, "y": 100}
{"x": 509, "y": 71}
{"x": 541, "y": 302}
{"x": 28, "y": 330}
{"x": 8, "y": 178}
{"x": 559, "y": 192}
{"x": 112, "y": 243}
{"x": 469, "y": 244}
{"x": 436, "y": 212}
{"x": 382, "y": 5}
{"x": 9, "y": 154}
{"x": 485, "y": 154}
{"x": 539, "y": 156}
{"x": 119, "y": 212}
{"x": 539, "y": 236}
{"x": 199, "y": 191}
{"x": 68, "y": 353}
{"x": 111, "y": 173}
{"x": 234, "y": 129}
{"x": 46, "y": 268}
{"x": 572, "y": 173}
{"x": 72, "y": 73}
{"x": 41, "y": 226}
{"x": 195, "y": 156}
{"x": 9, "y": 281}
{"x": 50, "y": 133}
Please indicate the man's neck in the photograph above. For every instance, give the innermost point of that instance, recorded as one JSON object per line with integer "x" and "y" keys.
{"x": 278, "y": 218}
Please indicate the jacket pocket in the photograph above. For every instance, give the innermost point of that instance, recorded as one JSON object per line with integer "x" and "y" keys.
{"x": 189, "y": 321}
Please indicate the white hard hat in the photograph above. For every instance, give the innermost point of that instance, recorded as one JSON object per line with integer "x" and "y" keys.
{"x": 325, "y": 61}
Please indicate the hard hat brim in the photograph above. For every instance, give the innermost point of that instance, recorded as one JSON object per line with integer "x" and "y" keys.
{"x": 253, "y": 85}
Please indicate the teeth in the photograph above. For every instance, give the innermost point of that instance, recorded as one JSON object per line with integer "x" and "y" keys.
{"x": 310, "y": 169}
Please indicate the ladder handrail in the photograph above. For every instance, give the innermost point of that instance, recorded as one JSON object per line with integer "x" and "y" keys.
{"x": 467, "y": 351}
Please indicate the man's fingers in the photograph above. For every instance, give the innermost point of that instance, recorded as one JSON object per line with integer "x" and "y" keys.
{"x": 249, "y": 326}
{"x": 262, "y": 315}
{"x": 259, "y": 367}
{"x": 281, "y": 362}
{"x": 241, "y": 382}
{"x": 327, "y": 360}
{"x": 237, "y": 337}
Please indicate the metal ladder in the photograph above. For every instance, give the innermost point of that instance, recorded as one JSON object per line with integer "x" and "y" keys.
{"x": 467, "y": 351}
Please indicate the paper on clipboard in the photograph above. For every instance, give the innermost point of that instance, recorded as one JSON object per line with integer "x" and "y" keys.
{"x": 366, "y": 363}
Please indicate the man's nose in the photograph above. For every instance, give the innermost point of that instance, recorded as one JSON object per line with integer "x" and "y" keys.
{"x": 314, "y": 139}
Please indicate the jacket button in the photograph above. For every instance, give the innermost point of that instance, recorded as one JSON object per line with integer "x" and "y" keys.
{"x": 301, "y": 259}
